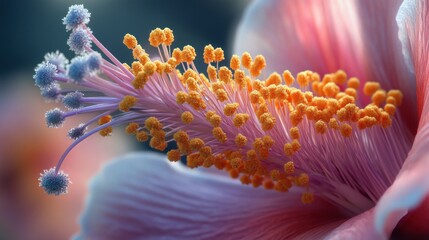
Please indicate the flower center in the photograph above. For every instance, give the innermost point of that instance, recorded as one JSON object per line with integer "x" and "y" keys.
{"x": 239, "y": 121}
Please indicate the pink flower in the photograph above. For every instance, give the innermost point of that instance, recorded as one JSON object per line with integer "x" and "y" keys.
{"x": 335, "y": 161}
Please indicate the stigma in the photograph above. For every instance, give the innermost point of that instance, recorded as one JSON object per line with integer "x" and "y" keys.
{"x": 234, "y": 115}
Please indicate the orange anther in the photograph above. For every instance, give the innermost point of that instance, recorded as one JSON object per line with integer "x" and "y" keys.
{"x": 370, "y": 88}
{"x": 173, "y": 155}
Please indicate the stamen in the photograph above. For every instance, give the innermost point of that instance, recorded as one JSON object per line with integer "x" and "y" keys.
{"x": 257, "y": 130}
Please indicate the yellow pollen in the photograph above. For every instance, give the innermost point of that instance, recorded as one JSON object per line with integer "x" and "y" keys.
{"x": 142, "y": 136}
{"x": 169, "y": 36}
{"x": 353, "y": 83}
{"x": 378, "y": 97}
{"x": 346, "y": 130}
{"x": 181, "y": 137}
{"x": 289, "y": 168}
{"x": 334, "y": 106}
{"x": 194, "y": 160}
{"x": 209, "y": 114}
{"x": 208, "y": 162}
{"x": 156, "y": 37}
{"x": 139, "y": 52}
{"x": 225, "y": 74}
{"x": 136, "y": 67}
{"x": 268, "y": 141}
{"x": 209, "y": 54}
{"x": 240, "y": 119}
{"x": 303, "y": 79}
{"x": 181, "y": 97}
{"x": 149, "y": 68}
{"x": 132, "y": 128}
{"x": 385, "y": 119}
{"x": 159, "y": 67}
{"x": 333, "y": 123}
{"x": 205, "y": 151}
{"x": 397, "y": 94}
{"x": 215, "y": 120}
{"x": 267, "y": 121}
{"x": 187, "y": 117}
{"x": 177, "y": 54}
{"x": 240, "y": 140}
{"x": 343, "y": 101}
{"x": 370, "y": 88}
{"x": 351, "y": 92}
{"x": 340, "y": 77}
{"x": 158, "y": 133}
{"x": 192, "y": 84}
{"x": 257, "y": 66}
{"x": 390, "y": 109}
{"x": 234, "y": 64}
{"x": 105, "y": 132}
{"x": 274, "y": 78}
{"x": 366, "y": 122}
{"x": 240, "y": 78}
{"x": 188, "y": 54}
{"x": 212, "y": 73}
{"x": 104, "y": 119}
{"x": 127, "y": 103}
{"x": 152, "y": 123}
{"x": 221, "y": 95}
{"x": 283, "y": 185}
{"x": 158, "y": 143}
{"x": 194, "y": 99}
{"x": 255, "y": 96}
{"x": 294, "y": 133}
{"x": 276, "y": 175}
{"x": 219, "y": 134}
{"x": 258, "y": 85}
{"x": 130, "y": 41}
{"x": 321, "y": 127}
{"x": 296, "y": 117}
{"x": 173, "y": 155}
{"x": 230, "y": 109}
{"x": 288, "y": 149}
{"x": 303, "y": 180}
{"x": 219, "y": 55}
{"x": 296, "y": 146}
{"x": 288, "y": 77}
{"x": 331, "y": 89}
{"x": 391, "y": 100}
{"x": 196, "y": 144}
{"x": 246, "y": 60}
{"x": 236, "y": 162}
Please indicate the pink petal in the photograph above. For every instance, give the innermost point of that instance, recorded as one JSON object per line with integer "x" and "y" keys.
{"x": 359, "y": 227}
{"x": 359, "y": 37}
{"x": 142, "y": 195}
{"x": 411, "y": 186}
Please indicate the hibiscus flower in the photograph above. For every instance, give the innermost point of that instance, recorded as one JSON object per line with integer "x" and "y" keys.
{"x": 327, "y": 156}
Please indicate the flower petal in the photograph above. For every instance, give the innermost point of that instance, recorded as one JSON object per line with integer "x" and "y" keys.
{"x": 301, "y": 35}
{"x": 411, "y": 186}
{"x": 359, "y": 37}
{"x": 142, "y": 195}
{"x": 358, "y": 227}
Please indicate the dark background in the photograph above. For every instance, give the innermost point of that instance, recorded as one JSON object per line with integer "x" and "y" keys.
{"x": 29, "y": 29}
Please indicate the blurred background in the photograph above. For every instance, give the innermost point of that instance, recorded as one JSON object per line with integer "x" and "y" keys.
{"x": 29, "y": 30}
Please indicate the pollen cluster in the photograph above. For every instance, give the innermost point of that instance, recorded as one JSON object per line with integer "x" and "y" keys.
{"x": 234, "y": 115}
{"x": 279, "y": 103}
